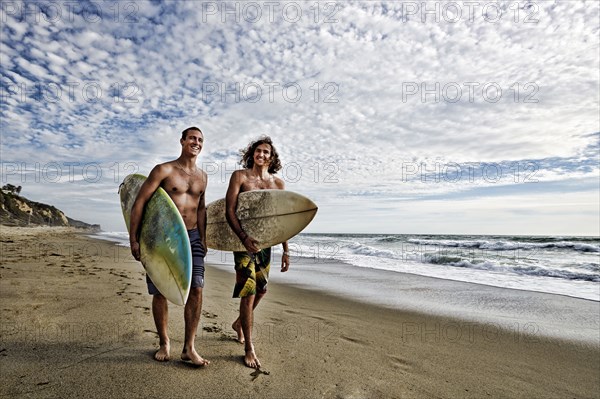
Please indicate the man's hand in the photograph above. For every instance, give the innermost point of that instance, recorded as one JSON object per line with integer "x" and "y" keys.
{"x": 285, "y": 263}
{"x": 135, "y": 250}
{"x": 251, "y": 245}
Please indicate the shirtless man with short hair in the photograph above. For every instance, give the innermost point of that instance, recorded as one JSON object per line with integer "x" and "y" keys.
{"x": 186, "y": 185}
{"x": 261, "y": 162}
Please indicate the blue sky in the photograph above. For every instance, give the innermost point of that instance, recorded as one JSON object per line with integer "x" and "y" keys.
{"x": 394, "y": 117}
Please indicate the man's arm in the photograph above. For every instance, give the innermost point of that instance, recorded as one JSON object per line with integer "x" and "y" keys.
{"x": 235, "y": 184}
{"x": 285, "y": 257}
{"x": 148, "y": 188}
{"x": 201, "y": 214}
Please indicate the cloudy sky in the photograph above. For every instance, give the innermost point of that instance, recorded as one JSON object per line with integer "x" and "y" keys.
{"x": 394, "y": 117}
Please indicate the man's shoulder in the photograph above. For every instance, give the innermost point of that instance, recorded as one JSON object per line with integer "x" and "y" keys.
{"x": 243, "y": 171}
{"x": 165, "y": 165}
{"x": 279, "y": 182}
{"x": 202, "y": 175}
{"x": 240, "y": 174}
{"x": 162, "y": 169}
{"x": 238, "y": 179}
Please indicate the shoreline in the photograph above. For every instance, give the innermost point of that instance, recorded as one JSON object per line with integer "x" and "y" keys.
{"x": 220, "y": 265}
{"x": 88, "y": 329}
{"x": 574, "y": 288}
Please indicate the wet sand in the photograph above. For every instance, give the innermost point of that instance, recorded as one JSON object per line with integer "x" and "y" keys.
{"x": 75, "y": 321}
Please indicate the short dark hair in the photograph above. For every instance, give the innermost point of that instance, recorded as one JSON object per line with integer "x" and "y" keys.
{"x": 185, "y": 132}
{"x": 248, "y": 154}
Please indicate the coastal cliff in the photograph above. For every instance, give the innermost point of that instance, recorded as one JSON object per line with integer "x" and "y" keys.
{"x": 16, "y": 210}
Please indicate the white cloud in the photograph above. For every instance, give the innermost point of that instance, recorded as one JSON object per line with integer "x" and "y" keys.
{"x": 366, "y": 61}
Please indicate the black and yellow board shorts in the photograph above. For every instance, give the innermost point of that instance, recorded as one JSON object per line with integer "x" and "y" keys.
{"x": 251, "y": 272}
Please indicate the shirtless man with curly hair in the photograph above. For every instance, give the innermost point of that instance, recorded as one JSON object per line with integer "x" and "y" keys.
{"x": 260, "y": 161}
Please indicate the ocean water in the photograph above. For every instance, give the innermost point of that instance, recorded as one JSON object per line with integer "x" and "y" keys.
{"x": 558, "y": 265}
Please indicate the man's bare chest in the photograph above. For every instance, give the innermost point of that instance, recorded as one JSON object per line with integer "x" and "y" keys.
{"x": 190, "y": 185}
{"x": 258, "y": 185}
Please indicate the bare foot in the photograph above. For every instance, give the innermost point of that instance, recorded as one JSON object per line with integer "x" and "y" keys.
{"x": 251, "y": 360}
{"x": 194, "y": 357}
{"x": 163, "y": 353}
{"x": 237, "y": 327}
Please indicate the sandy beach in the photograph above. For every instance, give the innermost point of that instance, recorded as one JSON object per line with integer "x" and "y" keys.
{"x": 75, "y": 321}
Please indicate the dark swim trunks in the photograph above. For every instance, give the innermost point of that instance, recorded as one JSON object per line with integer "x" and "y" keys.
{"x": 251, "y": 273}
{"x": 198, "y": 254}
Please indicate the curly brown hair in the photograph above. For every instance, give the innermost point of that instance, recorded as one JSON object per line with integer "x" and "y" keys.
{"x": 248, "y": 154}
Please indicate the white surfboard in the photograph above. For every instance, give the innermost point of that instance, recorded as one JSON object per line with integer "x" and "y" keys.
{"x": 269, "y": 216}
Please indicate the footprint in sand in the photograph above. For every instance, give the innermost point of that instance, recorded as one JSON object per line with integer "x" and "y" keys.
{"x": 258, "y": 372}
{"x": 353, "y": 340}
{"x": 212, "y": 329}
{"x": 400, "y": 363}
